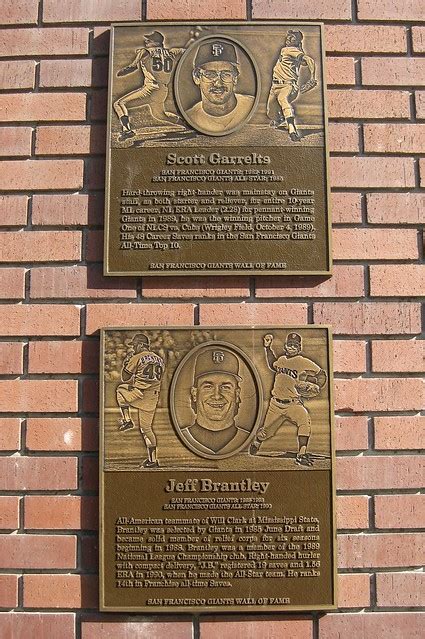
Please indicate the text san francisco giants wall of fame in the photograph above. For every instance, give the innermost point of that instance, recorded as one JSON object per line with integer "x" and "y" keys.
{"x": 217, "y": 489}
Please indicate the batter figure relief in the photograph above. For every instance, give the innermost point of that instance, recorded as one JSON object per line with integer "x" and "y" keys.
{"x": 297, "y": 378}
{"x": 285, "y": 87}
{"x": 156, "y": 62}
{"x": 142, "y": 371}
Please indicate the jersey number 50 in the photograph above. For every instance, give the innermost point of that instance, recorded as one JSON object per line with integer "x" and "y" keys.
{"x": 162, "y": 65}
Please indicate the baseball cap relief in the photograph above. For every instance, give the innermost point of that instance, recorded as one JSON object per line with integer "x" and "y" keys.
{"x": 293, "y": 338}
{"x": 216, "y": 360}
{"x": 215, "y": 51}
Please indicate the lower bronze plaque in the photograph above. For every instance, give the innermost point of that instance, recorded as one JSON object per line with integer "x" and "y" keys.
{"x": 216, "y": 154}
{"x": 217, "y": 485}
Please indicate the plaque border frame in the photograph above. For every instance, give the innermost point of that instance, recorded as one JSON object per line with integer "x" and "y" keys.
{"x": 219, "y": 272}
{"x": 159, "y": 610}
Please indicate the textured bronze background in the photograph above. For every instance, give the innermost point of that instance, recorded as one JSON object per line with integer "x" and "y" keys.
{"x": 217, "y": 153}
{"x": 216, "y": 470}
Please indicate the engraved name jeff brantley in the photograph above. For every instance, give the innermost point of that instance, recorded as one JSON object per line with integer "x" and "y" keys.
{"x": 207, "y": 485}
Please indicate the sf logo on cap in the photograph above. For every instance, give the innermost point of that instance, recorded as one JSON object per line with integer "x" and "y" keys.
{"x": 216, "y": 49}
{"x": 218, "y": 357}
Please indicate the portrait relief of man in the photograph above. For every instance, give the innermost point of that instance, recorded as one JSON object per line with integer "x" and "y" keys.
{"x": 216, "y": 72}
{"x": 215, "y": 400}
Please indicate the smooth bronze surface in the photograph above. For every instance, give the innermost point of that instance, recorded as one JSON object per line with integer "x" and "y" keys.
{"x": 217, "y": 153}
{"x": 216, "y": 471}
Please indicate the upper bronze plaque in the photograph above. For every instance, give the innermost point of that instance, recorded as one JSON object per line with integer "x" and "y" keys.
{"x": 217, "y": 160}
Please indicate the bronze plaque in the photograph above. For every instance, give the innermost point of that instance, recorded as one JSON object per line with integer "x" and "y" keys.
{"x": 217, "y": 153}
{"x": 216, "y": 473}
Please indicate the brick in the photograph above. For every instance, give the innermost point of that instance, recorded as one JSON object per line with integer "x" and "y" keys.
{"x": 229, "y": 628}
{"x": 90, "y": 393}
{"x": 99, "y": 315}
{"x": 41, "y": 175}
{"x": 78, "y": 282}
{"x": 400, "y": 589}
{"x": 404, "y": 433}
{"x": 99, "y": 105}
{"x": 40, "y": 246}
{"x": 203, "y": 287}
{"x": 25, "y": 13}
{"x": 399, "y": 511}
{"x": 400, "y": 625}
{"x": 420, "y": 104}
{"x": 60, "y": 512}
{"x": 74, "y": 73}
{"x": 346, "y": 208}
{"x": 40, "y": 42}
{"x": 35, "y": 107}
{"x": 13, "y": 210}
{"x": 394, "y": 138}
{"x": 11, "y": 358}
{"x": 373, "y": 244}
{"x": 418, "y": 38}
{"x": 361, "y": 318}
{"x": 347, "y": 281}
{"x": 351, "y": 433}
{"x": 38, "y": 473}
{"x": 17, "y": 74}
{"x": 352, "y": 511}
{"x": 410, "y": 10}
{"x": 398, "y": 356}
{"x": 380, "y": 472}
{"x": 21, "y": 625}
{"x": 302, "y": 9}
{"x": 422, "y": 172}
{"x": 60, "y": 591}
{"x": 343, "y": 138}
{"x": 101, "y": 38}
{"x": 137, "y": 629}
{"x": 38, "y": 551}
{"x": 349, "y": 356}
{"x": 372, "y": 172}
{"x": 247, "y": 314}
{"x": 389, "y": 550}
{"x": 340, "y": 71}
{"x": 91, "y": 11}
{"x": 394, "y": 280}
{"x": 387, "y": 394}
{"x": 90, "y": 554}
{"x": 60, "y": 210}
{"x": 8, "y": 591}
{"x": 38, "y": 396}
{"x": 12, "y": 283}
{"x": 70, "y": 140}
{"x": 365, "y": 39}
{"x": 393, "y": 71}
{"x": 63, "y": 357}
{"x": 353, "y": 591}
{"x": 90, "y": 474}
{"x": 10, "y": 433}
{"x": 94, "y": 246}
{"x": 195, "y": 9}
{"x": 360, "y": 104}
{"x": 396, "y": 208}
{"x": 15, "y": 141}
{"x": 9, "y": 513}
{"x": 39, "y": 319}
{"x": 62, "y": 434}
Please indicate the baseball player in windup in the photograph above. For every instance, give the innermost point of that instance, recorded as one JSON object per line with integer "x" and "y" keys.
{"x": 142, "y": 372}
{"x": 297, "y": 378}
{"x": 285, "y": 87}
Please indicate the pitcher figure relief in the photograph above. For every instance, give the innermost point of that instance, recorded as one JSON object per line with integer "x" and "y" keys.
{"x": 297, "y": 378}
{"x": 142, "y": 371}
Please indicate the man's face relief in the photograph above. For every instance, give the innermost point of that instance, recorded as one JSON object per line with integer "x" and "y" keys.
{"x": 217, "y": 81}
{"x": 216, "y": 400}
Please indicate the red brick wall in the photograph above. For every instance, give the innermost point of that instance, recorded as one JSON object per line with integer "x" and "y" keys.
{"x": 54, "y": 299}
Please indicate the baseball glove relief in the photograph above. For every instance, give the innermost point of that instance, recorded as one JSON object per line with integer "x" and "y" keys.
{"x": 307, "y": 390}
{"x": 308, "y": 86}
